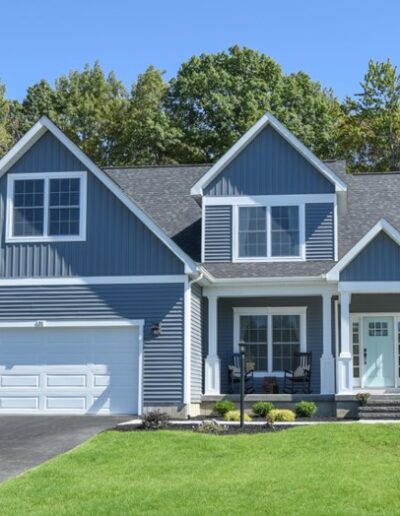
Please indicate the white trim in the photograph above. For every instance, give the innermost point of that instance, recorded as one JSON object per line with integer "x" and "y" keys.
{"x": 92, "y": 280}
{"x": 270, "y": 280}
{"x": 266, "y": 119}
{"x": 139, "y": 323}
{"x": 370, "y": 287}
{"x": 187, "y": 320}
{"x": 269, "y": 312}
{"x": 46, "y": 176}
{"x": 265, "y": 290}
{"x": 39, "y": 129}
{"x": 335, "y": 230}
{"x": 212, "y": 363}
{"x": 203, "y": 232}
{"x": 382, "y": 225}
{"x": 269, "y": 200}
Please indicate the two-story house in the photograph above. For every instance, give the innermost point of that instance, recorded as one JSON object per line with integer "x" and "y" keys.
{"x": 125, "y": 289}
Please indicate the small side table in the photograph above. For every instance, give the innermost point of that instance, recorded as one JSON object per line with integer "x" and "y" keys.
{"x": 270, "y": 385}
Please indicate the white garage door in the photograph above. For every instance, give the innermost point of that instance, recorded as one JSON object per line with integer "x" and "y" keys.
{"x": 68, "y": 370}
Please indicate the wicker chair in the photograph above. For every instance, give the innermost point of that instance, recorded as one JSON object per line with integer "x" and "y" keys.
{"x": 300, "y": 376}
{"x": 234, "y": 376}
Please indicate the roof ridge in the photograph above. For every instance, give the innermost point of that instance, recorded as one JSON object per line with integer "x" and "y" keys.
{"x": 178, "y": 165}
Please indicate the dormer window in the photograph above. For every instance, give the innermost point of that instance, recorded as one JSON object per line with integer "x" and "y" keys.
{"x": 269, "y": 233}
{"x": 46, "y": 207}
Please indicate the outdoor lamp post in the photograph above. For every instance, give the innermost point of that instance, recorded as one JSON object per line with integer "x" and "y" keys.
{"x": 242, "y": 348}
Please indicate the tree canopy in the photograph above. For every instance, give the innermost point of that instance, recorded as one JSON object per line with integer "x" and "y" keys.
{"x": 213, "y": 99}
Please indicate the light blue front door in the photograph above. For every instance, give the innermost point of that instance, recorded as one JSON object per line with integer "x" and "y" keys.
{"x": 378, "y": 352}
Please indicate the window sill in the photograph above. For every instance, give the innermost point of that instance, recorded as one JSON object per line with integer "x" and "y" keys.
{"x": 269, "y": 260}
{"x": 38, "y": 240}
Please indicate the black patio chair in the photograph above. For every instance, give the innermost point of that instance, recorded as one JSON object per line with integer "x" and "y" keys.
{"x": 234, "y": 376}
{"x": 300, "y": 376}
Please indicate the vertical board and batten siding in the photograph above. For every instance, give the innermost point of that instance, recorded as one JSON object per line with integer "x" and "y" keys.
{"x": 117, "y": 242}
{"x": 196, "y": 344}
{"x": 378, "y": 261}
{"x": 313, "y": 335}
{"x": 320, "y": 231}
{"x": 269, "y": 165}
{"x": 155, "y": 303}
{"x": 218, "y": 234}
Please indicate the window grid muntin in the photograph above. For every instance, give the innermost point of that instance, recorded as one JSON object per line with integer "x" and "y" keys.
{"x": 255, "y": 337}
{"x": 378, "y": 329}
{"x": 356, "y": 348}
{"x": 285, "y": 340}
{"x": 254, "y": 236}
{"x": 285, "y": 231}
{"x": 64, "y": 206}
{"x": 28, "y": 207}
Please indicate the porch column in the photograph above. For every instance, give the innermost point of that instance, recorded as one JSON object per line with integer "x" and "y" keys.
{"x": 327, "y": 360}
{"x": 345, "y": 361}
{"x": 212, "y": 369}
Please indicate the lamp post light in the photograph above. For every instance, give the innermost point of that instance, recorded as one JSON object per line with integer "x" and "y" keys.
{"x": 242, "y": 348}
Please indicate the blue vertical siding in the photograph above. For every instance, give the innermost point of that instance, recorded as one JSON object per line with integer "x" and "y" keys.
{"x": 314, "y": 331}
{"x": 163, "y": 355}
{"x": 196, "y": 344}
{"x": 269, "y": 165}
{"x": 117, "y": 243}
{"x": 218, "y": 234}
{"x": 378, "y": 261}
{"x": 320, "y": 231}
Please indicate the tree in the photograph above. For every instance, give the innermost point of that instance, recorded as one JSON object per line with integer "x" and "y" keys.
{"x": 5, "y": 137}
{"x": 149, "y": 137}
{"x": 370, "y": 136}
{"x": 41, "y": 99}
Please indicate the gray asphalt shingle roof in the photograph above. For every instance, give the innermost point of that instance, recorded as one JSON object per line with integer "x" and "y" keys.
{"x": 164, "y": 194}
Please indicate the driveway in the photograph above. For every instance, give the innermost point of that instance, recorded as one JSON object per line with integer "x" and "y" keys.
{"x": 26, "y": 441}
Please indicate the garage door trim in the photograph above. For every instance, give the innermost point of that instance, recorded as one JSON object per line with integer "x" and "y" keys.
{"x": 42, "y": 323}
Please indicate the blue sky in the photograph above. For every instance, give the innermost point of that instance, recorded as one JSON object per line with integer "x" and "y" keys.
{"x": 332, "y": 40}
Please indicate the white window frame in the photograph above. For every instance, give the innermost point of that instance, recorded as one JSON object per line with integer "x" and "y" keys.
{"x": 269, "y": 257}
{"x": 46, "y": 176}
{"x": 269, "y": 312}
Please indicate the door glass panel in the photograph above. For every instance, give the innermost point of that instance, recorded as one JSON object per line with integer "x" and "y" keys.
{"x": 356, "y": 349}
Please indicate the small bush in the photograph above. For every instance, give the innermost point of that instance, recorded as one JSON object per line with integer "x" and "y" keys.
{"x": 262, "y": 408}
{"x": 210, "y": 427}
{"x": 306, "y": 409}
{"x": 362, "y": 397}
{"x": 154, "y": 420}
{"x": 281, "y": 415}
{"x": 234, "y": 415}
{"x": 224, "y": 406}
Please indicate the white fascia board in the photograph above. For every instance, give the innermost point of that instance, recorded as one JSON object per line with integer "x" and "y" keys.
{"x": 369, "y": 287}
{"x": 39, "y": 129}
{"x": 93, "y": 280}
{"x": 265, "y": 281}
{"x": 382, "y": 225}
{"x": 266, "y": 119}
{"x": 272, "y": 290}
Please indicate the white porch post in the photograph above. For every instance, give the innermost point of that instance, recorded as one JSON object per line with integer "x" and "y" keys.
{"x": 345, "y": 360}
{"x": 212, "y": 370}
{"x": 327, "y": 360}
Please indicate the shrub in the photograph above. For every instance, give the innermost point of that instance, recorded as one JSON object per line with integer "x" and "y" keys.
{"x": 224, "y": 406}
{"x": 234, "y": 415}
{"x": 210, "y": 427}
{"x": 306, "y": 409}
{"x": 154, "y": 420}
{"x": 262, "y": 408}
{"x": 362, "y": 397}
{"x": 281, "y": 415}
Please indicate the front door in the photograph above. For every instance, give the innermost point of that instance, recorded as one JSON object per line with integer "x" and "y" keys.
{"x": 378, "y": 352}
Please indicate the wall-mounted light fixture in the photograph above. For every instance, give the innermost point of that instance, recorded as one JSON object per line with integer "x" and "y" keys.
{"x": 156, "y": 329}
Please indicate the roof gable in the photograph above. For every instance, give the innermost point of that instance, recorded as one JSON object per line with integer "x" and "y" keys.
{"x": 248, "y": 137}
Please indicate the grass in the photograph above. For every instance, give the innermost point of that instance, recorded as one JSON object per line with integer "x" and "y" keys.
{"x": 317, "y": 470}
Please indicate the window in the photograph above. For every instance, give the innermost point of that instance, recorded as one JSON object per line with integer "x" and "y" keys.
{"x": 46, "y": 207}
{"x": 378, "y": 329}
{"x": 269, "y": 232}
{"x": 356, "y": 349}
{"x": 271, "y": 336}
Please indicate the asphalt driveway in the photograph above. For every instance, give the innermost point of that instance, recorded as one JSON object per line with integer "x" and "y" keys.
{"x": 26, "y": 441}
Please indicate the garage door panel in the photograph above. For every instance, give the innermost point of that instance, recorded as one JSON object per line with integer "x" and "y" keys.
{"x": 69, "y": 370}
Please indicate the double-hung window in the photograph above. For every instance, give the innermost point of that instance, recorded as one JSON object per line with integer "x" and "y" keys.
{"x": 269, "y": 232}
{"x": 46, "y": 207}
{"x": 271, "y": 336}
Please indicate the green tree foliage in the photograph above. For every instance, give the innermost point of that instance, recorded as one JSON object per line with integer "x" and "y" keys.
{"x": 370, "y": 133}
{"x": 5, "y": 137}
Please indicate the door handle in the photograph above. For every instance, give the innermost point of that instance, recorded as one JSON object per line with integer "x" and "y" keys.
{"x": 365, "y": 356}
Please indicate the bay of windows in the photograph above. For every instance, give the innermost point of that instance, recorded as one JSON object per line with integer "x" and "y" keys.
{"x": 265, "y": 232}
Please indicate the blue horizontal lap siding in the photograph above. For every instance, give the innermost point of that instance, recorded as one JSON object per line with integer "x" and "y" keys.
{"x": 196, "y": 344}
{"x": 269, "y": 165}
{"x": 378, "y": 261}
{"x": 218, "y": 234}
{"x": 117, "y": 243}
{"x": 225, "y": 332}
{"x": 319, "y": 231}
{"x": 155, "y": 303}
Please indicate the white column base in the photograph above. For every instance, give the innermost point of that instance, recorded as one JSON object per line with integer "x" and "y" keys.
{"x": 327, "y": 374}
{"x": 345, "y": 373}
{"x": 212, "y": 375}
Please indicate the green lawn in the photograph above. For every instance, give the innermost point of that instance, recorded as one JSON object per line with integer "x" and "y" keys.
{"x": 326, "y": 469}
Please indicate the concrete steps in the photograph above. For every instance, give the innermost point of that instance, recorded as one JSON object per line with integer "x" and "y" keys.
{"x": 380, "y": 407}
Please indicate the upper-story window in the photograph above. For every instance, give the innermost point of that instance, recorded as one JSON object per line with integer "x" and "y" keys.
{"x": 269, "y": 232}
{"x": 46, "y": 207}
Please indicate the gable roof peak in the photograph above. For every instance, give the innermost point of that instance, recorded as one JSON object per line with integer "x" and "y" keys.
{"x": 267, "y": 119}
